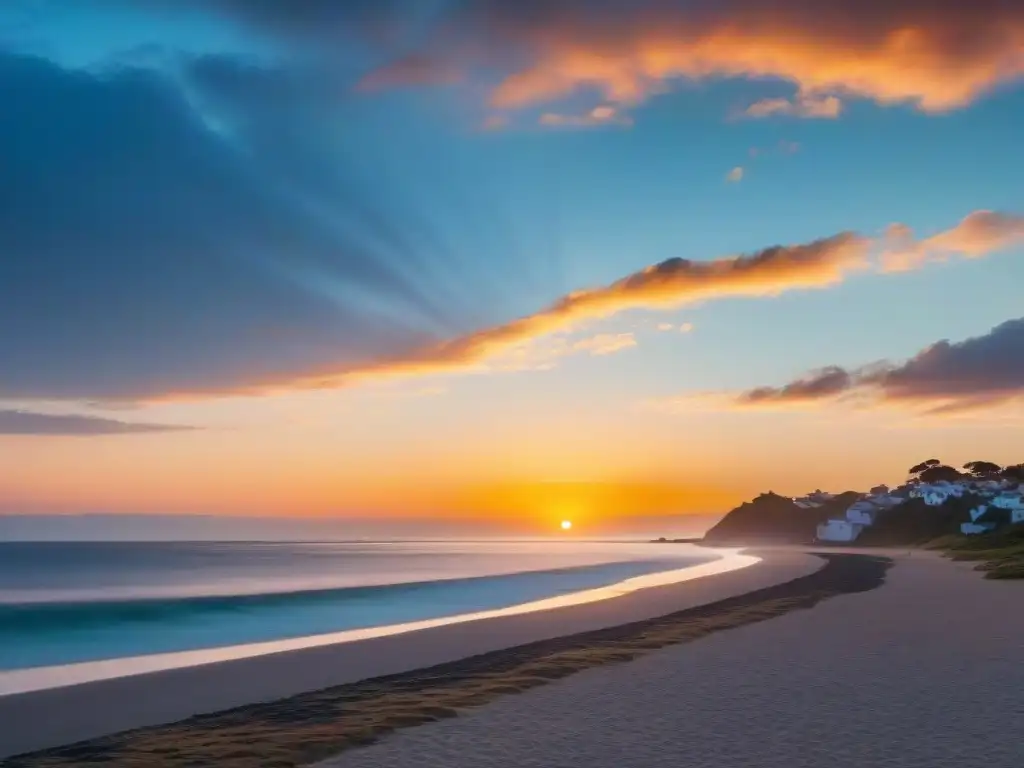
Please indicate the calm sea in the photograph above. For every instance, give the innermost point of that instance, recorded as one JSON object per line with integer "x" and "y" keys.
{"x": 63, "y": 603}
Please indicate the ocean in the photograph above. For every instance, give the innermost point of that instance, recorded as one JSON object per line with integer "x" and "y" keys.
{"x": 72, "y": 603}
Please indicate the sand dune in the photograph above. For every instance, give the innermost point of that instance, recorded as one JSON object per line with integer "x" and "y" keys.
{"x": 926, "y": 672}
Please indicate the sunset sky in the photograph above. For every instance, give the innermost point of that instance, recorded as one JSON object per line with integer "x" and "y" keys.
{"x": 511, "y": 260}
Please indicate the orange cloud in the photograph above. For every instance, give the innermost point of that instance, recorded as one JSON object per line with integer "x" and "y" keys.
{"x": 937, "y": 55}
{"x": 977, "y": 235}
{"x": 531, "y": 343}
{"x": 671, "y": 283}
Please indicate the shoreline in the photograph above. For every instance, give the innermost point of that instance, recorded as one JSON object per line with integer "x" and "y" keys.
{"x": 281, "y": 725}
{"x": 30, "y": 679}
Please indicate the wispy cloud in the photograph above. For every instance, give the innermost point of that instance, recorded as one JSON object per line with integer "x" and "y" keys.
{"x": 671, "y": 283}
{"x": 681, "y": 328}
{"x": 545, "y": 352}
{"x": 806, "y": 105}
{"x": 606, "y": 343}
{"x": 782, "y": 147}
{"x": 494, "y": 122}
{"x": 978, "y": 234}
{"x": 17, "y": 422}
{"x": 735, "y": 175}
{"x": 603, "y": 115}
{"x": 669, "y": 327}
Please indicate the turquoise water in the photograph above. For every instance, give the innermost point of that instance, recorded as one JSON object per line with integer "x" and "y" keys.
{"x": 66, "y": 603}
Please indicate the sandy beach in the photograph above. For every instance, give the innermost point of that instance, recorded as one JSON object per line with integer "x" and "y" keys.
{"x": 927, "y": 671}
{"x": 61, "y": 716}
{"x": 882, "y": 659}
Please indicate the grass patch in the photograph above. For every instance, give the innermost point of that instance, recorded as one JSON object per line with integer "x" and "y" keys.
{"x": 1000, "y": 554}
{"x": 313, "y": 726}
{"x": 1009, "y": 569}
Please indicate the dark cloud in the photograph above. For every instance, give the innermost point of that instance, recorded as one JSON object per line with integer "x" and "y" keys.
{"x": 989, "y": 367}
{"x": 196, "y": 231}
{"x": 827, "y": 382}
{"x": 945, "y": 377}
{"x": 28, "y": 423}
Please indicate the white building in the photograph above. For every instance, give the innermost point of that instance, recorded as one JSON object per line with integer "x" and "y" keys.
{"x": 863, "y": 512}
{"x": 978, "y": 511}
{"x": 935, "y": 494}
{"x": 1010, "y": 500}
{"x": 975, "y": 527}
{"x": 988, "y": 486}
{"x": 839, "y": 531}
{"x": 886, "y": 500}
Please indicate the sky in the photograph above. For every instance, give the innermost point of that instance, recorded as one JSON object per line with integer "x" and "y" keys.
{"x": 503, "y": 262}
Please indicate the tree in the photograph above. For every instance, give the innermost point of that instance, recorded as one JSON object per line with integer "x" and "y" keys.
{"x": 1014, "y": 472}
{"x": 918, "y": 468}
{"x": 982, "y": 468}
{"x": 939, "y": 472}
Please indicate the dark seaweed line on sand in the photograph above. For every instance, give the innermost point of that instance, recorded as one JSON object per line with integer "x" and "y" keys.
{"x": 314, "y": 726}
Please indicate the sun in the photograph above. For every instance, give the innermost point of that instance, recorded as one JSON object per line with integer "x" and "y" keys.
{"x": 566, "y": 525}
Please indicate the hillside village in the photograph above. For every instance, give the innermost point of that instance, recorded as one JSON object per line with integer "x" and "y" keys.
{"x": 936, "y": 500}
{"x": 995, "y": 496}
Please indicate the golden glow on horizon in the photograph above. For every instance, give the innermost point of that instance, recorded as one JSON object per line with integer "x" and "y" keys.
{"x": 567, "y": 525}
{"x": 465, "y": 475}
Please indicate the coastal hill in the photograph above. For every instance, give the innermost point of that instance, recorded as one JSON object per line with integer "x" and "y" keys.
{"x": 978, "y": 509}
{"x": 771, "y": 518}
{"x": 774, "y": 519}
